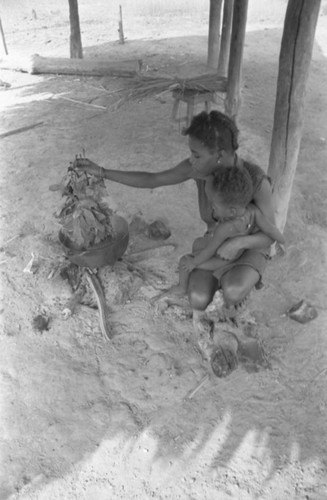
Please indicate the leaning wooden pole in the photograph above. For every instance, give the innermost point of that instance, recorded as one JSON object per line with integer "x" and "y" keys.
{"x": 294, "y": 63}
{"x": 214, "y": 33}
{"x": 232, "y": 101}
{"x": 76, "y": 51}
{"x": 3, "y": 38}
{"x": 226, "y": 31}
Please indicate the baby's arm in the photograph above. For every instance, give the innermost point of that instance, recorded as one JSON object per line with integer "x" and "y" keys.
{"x": 267, "y": 227}
{"x": 222, "y": 232}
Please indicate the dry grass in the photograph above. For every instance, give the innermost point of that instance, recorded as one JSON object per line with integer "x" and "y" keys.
{"x": 142, "y": 87}
{"x": 145, "y": 86}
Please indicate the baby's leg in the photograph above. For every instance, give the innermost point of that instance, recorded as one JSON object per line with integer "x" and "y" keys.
{"x": 179, "y": 290}
{"x": 200, "y": 243}
{"x": 213, "y": 264}
{"x": 183, "y": 277}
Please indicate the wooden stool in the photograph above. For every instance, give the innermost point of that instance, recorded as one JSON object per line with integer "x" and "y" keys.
{"x": 191, "y": 98}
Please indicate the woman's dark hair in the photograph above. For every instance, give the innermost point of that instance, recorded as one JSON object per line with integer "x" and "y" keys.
{"x": 214, "y": 130}
{"x": 234, "y": 185}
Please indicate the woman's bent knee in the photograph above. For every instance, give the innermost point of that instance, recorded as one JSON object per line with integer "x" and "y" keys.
{"x": 201, "y": 289}
{"x": 199, "y": 300}
{"x": 237, "y": 284}
{"x": 233, "y": 295}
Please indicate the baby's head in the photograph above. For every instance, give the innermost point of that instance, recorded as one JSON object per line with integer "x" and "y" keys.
{"x": 230, "y": 191}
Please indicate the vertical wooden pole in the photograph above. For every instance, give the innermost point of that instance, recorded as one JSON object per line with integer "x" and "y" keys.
{"x": 120, "y": 26}
{"x": 3, "y": 38}
{"x": 76, "y": 51}
{"x": 294, "y": 63}
{"x": 225, "y": 38}
{"x": 232, "y": 100}
{"x": 214, "y": 32}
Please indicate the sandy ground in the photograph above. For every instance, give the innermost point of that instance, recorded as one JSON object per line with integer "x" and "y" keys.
{"x": 85, "y": 419}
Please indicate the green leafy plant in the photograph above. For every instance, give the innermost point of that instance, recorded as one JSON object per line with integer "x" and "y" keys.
{"x": 84, "y": 216}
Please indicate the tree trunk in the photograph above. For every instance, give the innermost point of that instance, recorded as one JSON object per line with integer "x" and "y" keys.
{"x": 232, "y": 100}
{"x": 294, "y": 63}
{"x": 225, "y": 38}
{"x": 214, "y": 33}
{"x": 76, "y": 51}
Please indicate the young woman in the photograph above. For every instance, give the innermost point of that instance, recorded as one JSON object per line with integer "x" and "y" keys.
{"x": 213, "y": 142}
{"x": 230, "y": 193}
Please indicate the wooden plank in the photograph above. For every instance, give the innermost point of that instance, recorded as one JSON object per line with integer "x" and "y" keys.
{"x": 214, "y": 33}
{"x": 294, "y": 64}
{"x": 232, "y": 100}
{"x": 59, "y": 65}
{"x": 226, "y": 32}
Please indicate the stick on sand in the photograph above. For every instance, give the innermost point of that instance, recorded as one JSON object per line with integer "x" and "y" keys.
{"x": 193, "y": 392}
{"x": 21, "y": 129}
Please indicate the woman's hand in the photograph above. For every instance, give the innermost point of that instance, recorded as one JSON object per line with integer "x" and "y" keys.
{"x": 88, "y": 166}
{"x": 230, "y": 249}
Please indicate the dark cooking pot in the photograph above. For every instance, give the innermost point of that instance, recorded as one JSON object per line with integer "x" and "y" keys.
{"x": 102, "y": 254}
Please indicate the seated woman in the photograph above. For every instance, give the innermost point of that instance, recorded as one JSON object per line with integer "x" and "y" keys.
{"x": 213, "y": 142}
{"x": 230, "y": 194}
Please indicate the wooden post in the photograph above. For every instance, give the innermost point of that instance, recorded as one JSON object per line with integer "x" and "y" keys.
{"x": 232, "y": 100}
{"x": 214, "y": 33}
{"x": 294, "y": 63}
{"x": 225, "y": 38}
{"x": 3, "y": 38}
{"x": 120, "y": 26}
{"x": 76, "y": 51}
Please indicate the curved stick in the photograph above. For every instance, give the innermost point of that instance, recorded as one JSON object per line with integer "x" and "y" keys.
{"x": 101, "y": 301}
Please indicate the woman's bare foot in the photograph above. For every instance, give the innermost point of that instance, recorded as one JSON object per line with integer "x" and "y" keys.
{"x": 175, "y": 291}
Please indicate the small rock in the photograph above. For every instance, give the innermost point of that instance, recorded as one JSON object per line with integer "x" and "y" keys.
{"x": 41, "y": 322}
{"x": 158, "y": 230}
{"x": 302, "y": 312}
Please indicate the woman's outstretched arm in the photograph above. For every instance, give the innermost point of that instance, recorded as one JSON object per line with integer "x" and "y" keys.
{"x": 138, "y": 179}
